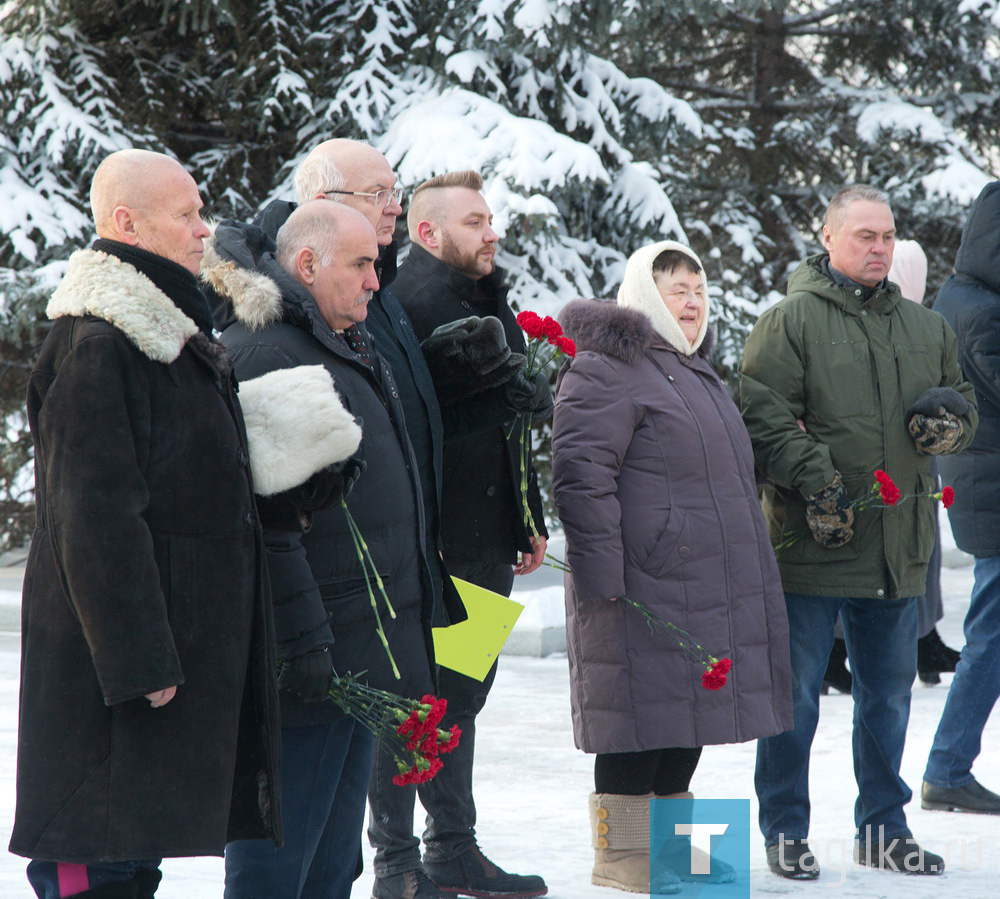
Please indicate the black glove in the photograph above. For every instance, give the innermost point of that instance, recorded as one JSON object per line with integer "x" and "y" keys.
{"x": 936, "y": 434}
{"x": 308, "y": 675}
{"x": 935, "y": 402}
{"x": 829, "y": 514}
{"x": 468, "y": 356}
{"x": 519, "y": 393}
{"x": 293, "y": 509}
{"x": 541, "y": 400}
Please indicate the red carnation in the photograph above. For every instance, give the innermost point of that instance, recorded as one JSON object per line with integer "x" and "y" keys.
{"x": 947, "y": 497}
{"x": 565, "y": 345}
{"x": 531, "y": 324}
{"x": 889, "y": 491}
{"x": 455, "y": 732}
{"x": 551, "y": 329}
{"x": 715, "y": 677}
{"x": 436, "y": 712}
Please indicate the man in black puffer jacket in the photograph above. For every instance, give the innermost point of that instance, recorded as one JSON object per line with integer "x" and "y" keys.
{"x": 970, "y": 302}
{"x": 313, "y": 288}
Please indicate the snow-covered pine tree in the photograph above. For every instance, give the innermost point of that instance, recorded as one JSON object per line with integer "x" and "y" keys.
{"x": 800, "y": 97}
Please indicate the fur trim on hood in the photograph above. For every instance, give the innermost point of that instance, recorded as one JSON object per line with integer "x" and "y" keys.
{"x": 103, "y": 286}
{"x": 255, "y": 297}
{"x": 296, "y": 426}
{"x": 603, "y": 326}
{"x": 639, "y": 291}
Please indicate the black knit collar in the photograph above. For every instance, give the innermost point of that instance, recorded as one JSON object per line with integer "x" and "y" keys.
{"x": 174, "y": 280}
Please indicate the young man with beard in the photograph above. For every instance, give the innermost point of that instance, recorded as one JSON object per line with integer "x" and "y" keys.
{"x": 448, "y": 276}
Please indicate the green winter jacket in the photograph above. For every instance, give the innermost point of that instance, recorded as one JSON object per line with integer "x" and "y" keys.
{"x": 848, "y": 370}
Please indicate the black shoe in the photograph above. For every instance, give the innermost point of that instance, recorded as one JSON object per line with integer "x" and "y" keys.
{"x": 972, "y": 797}
{"x": 934, "y": 656}
{"x": 901, "y": 855}
{"x": 792, "y": 859}
{"x": 929, "y": 677}
{"x": 472, "y": 874}
{"x": 407, "y": 885}
{"x": 837, "y": 676}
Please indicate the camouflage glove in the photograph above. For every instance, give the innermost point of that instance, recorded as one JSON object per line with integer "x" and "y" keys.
{"x": 829, "y": 514}
{"x": 935, "y": 434}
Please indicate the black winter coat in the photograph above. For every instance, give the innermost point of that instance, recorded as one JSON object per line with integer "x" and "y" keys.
{"x": 317, "y": 580}
{"x": 970, "y": 302}
{"x": 481, "y": 502}
{"x": 393, "y": 336}
{"x": 145, "y": 570}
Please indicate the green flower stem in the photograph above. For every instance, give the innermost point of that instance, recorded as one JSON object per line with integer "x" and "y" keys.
{"x": 529, "y": 520}
{"x": 364, "y": 557}
{"x": 680, "y": 636}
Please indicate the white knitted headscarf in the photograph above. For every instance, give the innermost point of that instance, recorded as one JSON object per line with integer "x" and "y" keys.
{"x": 909, "y": 269}
{"x": 639, "y": 291}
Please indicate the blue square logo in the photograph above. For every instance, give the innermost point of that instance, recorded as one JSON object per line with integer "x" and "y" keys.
{"x": 703, "y": 843}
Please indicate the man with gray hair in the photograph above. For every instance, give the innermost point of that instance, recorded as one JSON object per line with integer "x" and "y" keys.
{"x": 309, "y": 293}
{"x": 838, "y": 380}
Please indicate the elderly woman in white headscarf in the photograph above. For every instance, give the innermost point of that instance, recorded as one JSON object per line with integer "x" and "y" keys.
{"x": 654, "y": 482}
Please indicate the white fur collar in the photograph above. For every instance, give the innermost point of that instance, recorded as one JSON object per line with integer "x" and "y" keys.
{"x": 255, "y": 297}
{"x": 638, "y": 291}
{"x": 103, "y": 286}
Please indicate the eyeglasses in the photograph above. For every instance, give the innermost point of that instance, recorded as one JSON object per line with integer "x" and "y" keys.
{"x": 379, "y": 198}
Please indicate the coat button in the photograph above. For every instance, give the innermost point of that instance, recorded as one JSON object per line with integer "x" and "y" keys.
{"x": 602, "y": 842}
{"x": 491, "y": 490}
{"x": 602, "y": 827}
{"x": 684, "y": 551}
{"x": 864, "y": 311}
{"x": 601, "y": 812}
{"x": 243, "y": 456}
{"x": 250, "y": 520}
{"x": 881, "y": 592}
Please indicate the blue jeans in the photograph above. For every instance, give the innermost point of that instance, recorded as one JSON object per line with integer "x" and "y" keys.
{"x": 975, "y": 687}
{"x": 325, "y": 770}
{"x": 881, "y": 640}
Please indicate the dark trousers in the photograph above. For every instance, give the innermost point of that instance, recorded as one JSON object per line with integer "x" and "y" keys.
{"x": 325, "y": 770}
{"x": 660, "y": 771}
{"x": 54, "y": 880}
{"x": 447, "y": 798}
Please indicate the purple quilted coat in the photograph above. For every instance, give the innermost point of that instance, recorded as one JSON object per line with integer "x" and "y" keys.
{"x": 653, "y": 479}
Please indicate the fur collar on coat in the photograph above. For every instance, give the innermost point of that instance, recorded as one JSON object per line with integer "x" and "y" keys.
{"x": 103, "y": 286}
{"x": 230, "y": 250}
{"x": 639, "y": 291}
{"x": 605, "y": 327}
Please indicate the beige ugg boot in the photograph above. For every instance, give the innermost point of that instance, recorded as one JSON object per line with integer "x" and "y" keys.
{"x": 620, "y": 831}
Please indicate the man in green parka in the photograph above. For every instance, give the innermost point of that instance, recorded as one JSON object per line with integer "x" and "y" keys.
{"x": 839, "y": 379}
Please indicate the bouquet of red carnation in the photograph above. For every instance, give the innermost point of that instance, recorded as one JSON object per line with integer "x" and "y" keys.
{"x": 883, "y": 493}
{"x": 714, "y": 676}
{"x": 542, "y": 334}
{"x": 405, "y": 727}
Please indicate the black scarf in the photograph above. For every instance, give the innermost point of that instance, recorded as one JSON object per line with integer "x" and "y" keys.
{"x": 174, "y": 280}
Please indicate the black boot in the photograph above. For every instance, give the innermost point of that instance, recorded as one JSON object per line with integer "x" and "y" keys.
{"x": 934, "y": 657}
{"x": 837, "y": 675}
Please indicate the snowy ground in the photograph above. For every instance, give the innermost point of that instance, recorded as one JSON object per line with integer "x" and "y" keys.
{"x": 532, "y": 784}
